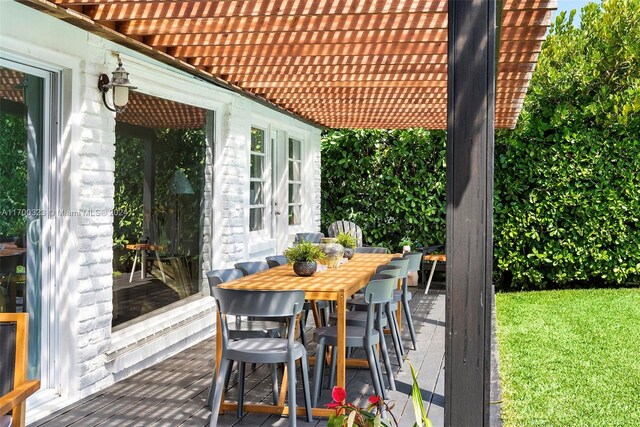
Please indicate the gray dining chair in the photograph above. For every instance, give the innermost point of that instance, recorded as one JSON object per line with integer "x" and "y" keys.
{"x": 251, "y": 267}
{"x": 276, "y": 260}
{"x": 371, "y": 250}
{"x": 308, "y": 237}
{"x": 358, "y": 317}
{"x": 247, "y": 328}
{"x": 261, "y": 350}
{"x": 378, "y": 292}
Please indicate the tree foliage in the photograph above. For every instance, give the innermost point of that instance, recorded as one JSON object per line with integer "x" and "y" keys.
{"x": 567, "y": 187}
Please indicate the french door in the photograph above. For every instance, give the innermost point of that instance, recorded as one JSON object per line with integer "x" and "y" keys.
{"x": 279, "y": 221}
{"x": 29, "y": 99}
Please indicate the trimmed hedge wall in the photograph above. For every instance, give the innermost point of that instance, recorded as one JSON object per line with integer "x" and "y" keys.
{"x": 567, "y": 179}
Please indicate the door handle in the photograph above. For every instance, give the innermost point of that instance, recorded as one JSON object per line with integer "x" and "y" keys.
{"x": 278, "y": 212}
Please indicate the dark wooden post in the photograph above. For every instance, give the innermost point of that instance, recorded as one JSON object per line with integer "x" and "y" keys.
{"x": 470, "y": 137}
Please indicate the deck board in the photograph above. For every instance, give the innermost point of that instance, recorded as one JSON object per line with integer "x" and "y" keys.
{"x": 174, "y": 391}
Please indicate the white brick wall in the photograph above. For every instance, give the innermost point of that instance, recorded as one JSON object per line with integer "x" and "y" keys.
{"x": 94, "y": 233}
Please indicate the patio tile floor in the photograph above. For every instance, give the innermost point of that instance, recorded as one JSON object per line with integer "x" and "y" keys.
{"x": 173, "y": 392}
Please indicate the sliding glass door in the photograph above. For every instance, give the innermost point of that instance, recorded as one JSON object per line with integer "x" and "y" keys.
{"x": 28, "y": 99}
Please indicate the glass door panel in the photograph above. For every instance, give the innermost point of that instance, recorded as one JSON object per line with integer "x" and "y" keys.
{"x": 22, "y": 209}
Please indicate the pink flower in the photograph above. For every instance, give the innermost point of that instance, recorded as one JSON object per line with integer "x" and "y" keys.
{"x": 338, "y": 394}
{"x": 374, "y": 399}
{"x": 333, "y": 405}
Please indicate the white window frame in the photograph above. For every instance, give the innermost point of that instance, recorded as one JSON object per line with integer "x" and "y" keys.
{"x": 300, "y": 182}
{"x": 265, "y": 179}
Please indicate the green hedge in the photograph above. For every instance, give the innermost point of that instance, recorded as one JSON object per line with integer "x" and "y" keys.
{"x": 567, "y": 184}
{"x": 390, "y": 183}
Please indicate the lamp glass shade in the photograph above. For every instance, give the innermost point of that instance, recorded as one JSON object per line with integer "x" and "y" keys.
{"x": 120, "y": 96}
{"x": 181, "y": 184}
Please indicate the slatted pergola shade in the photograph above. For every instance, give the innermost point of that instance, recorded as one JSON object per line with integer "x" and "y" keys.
{"x": 337, "y": 63}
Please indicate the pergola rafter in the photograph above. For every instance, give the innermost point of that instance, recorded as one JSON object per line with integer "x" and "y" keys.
{"x": 359, "y": 58}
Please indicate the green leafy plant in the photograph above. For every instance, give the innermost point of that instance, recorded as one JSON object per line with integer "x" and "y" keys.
{"x": 405, "y": 242}
{"x": 377, "y": 413}
{"x": 303, "y": 252}
{"x": 346, "y": 239}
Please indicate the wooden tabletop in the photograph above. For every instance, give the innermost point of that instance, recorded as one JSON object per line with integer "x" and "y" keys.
{"x": 325, "y": 285}
{"x": 143, "y": 247}
{"x": 435, "y": 257}
{"x": 11, "y": 249}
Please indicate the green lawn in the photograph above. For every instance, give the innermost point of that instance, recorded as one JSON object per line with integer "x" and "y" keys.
{"x": 570, "y": 358}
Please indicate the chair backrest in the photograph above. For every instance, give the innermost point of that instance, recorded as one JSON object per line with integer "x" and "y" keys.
{"x": 388, "y": 269}
{"x": 308, "y": 237}
{"x": 403, "y": 263}
{"x": 251, "y": 267}
{"x": 346, "y": 227}
{"x": 276, "y": 260}
{"x": 14, "y": 332}
{"x": 371, "y": 250}
{"x": 8, "y": 332}
{"x": 216, "y": 277}
{"x": 415, "y": 260}
{"x": 241, "y": 302}
{"x": 378, "y": 291}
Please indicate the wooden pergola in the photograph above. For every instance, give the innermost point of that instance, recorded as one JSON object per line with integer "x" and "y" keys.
{"x": 460, "y": 65}
{"x": 337, "y": 63}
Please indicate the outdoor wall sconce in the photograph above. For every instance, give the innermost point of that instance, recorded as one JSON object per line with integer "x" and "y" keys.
{"x": 120, "y": 85}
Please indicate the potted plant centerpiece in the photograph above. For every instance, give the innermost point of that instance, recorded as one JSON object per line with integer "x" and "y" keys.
{"x": 303, "y": 256}
{"x": 349, "y": 242}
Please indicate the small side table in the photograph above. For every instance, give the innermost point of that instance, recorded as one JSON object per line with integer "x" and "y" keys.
{"x": 142, "y": 248}
{"x": 435, "y": 258}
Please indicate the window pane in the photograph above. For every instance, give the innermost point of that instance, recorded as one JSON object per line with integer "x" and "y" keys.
{"x": 257, "y": 166}
{"x": 294, "y": 171}
{"x": 294, "y": 193}
{"x": 165, "y": 153}
{"x": 294, "y": 215}
{"x": 294, "y": 149}
{"x": 257, "y": 140}
{"x": 256, "y": 193}
{"x": 256, "y": 216}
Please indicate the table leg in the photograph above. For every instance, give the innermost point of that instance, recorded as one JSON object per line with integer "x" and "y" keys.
{"x": 433, "y": 270}
{"x": 160, "y": 265}
{"x": 143, "y": 261}
{"x": 341, "y": 308}
{"x": 135, "y": 260}
{"x": 219, "y": 354}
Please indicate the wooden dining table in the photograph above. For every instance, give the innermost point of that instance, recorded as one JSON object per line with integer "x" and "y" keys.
{"x": 330, "y": 285}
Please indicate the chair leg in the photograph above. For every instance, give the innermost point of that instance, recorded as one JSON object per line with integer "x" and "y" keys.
{"x": 217, "y": 397}
{"x": 317, "y": 373}
{"x": 274, "y": 382}
{"x": 228, "y": 376}
{"x": 240, "y": 388}
{"x": 379, "y": 370}
{"x": 375, "y": 377}
{"x": 385, "y": 359}
{"x": 303, "y": 324}
{"x": 395, "y": 336}
{"x": 291, "y": 368}
{"x": 305, "y": 385}
{"x": 407, "y": 314}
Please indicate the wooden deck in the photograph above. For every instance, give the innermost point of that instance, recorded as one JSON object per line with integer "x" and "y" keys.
{"x": 173, "y": 392}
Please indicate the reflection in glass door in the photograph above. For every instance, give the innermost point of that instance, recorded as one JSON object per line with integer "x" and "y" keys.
{"x": 26, "y": 105}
